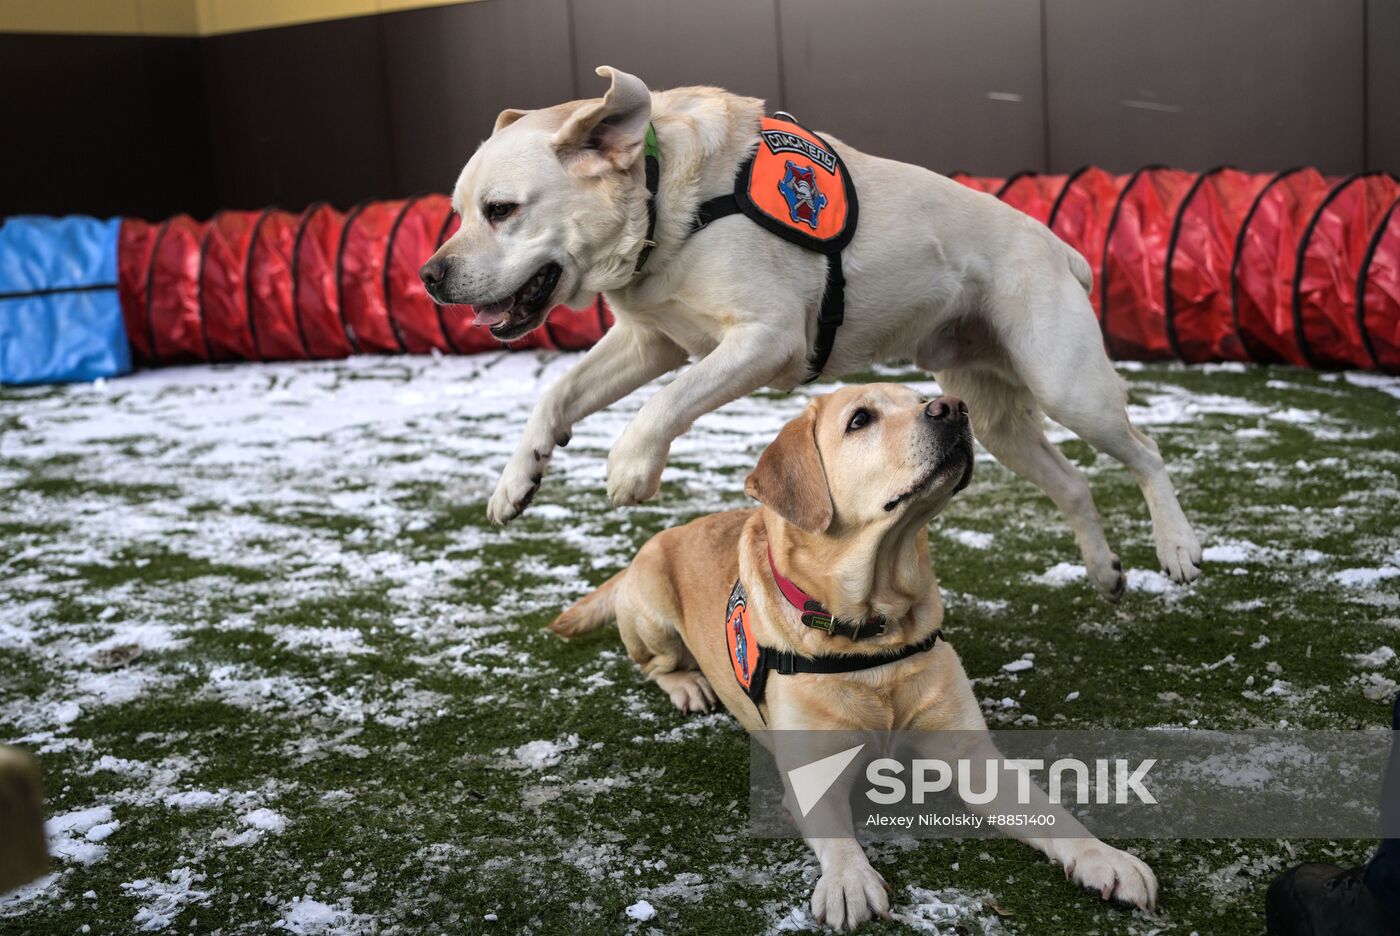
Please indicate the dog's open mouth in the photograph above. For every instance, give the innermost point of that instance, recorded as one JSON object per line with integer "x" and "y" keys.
{"x": 959, "y": 461}
{"x": 524, "y": 309}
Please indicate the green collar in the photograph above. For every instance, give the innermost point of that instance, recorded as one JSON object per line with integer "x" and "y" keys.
{"x": 653, "y": 167}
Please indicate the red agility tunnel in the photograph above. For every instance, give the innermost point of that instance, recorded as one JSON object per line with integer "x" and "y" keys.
{"x": 360, "y": 268}
{"x": 136, "y": 244}
{"x": 418, "y": 321}
{"x": 989, "y": 184}
{"x": 1378, "y": 293}
{"x": 172, "y": 313}
{"x": 1266, "y": 257}
{"x": 1330, "y": 255}
{"x": 1132, "y": 285}
{"x": 1081, "y": 217}
{"x": 315, "y": 288}
{"x": 267, "y": 279}
{"x": 1200, "y": 323}
{"x": 1225, "y": 265}
{"x": 269, "y": 285}
{"x": 1033, "y": 193}
{"x": 223, "y": 293}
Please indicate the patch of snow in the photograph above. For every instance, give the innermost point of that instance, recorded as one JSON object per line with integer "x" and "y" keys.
{"x": 306, "y": 916}
{"x": 1151, "y": 582}
{"x": 641, "y": 910}
{"x": 1376, "y": 658}
{"x": 341, "y": 641}
{"x": 1233, "y": 551}
{"x": 1018, "y": 666}
{"x": 538, "y": 755}
{"x": 939, "y": 911}
{"x": 1360, "y": 578}
{"x": 70, "y": 834}
{"x": 196, "y": 799}
{"x": 265, "y": 820}
{"x": 163, "y": 899}
{"x": 1060, "y": 574}
{"x": 973, "y": 539}
{"x": 1381, "y": 382}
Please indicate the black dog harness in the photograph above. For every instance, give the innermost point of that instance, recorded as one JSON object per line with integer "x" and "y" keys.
{"x": 752, "y": 662}
{"x": 795, "y": 186}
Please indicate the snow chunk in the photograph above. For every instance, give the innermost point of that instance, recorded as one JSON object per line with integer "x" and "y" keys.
{"x": 308, "y": 917}
{"x": 1235, "y": 551}
{"x": 196, "y": 799}
{"x": 164, "y": 899}
{"x": 1018, "y": 666}
{"x": 1360, "y": 578}
{"x": 1140, "y": 580}
{"x": 938, "y": 911}
{"x": 76, "y": 836}
{"x": 537, "y": 755}
{"x": 1060, "y": 574}
{"x": 265, "y": 820}
{"x": 973, "y": 539}
{"x": 641, "y": 910}
{"x": 1377, "y": 657}
{"x": 1149, "y": 581}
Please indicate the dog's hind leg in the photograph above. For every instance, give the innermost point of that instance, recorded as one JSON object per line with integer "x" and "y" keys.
{"x": 1009, "y": 424}
{"x": 647, "y": 612}
{"x": 1057, "y": 350}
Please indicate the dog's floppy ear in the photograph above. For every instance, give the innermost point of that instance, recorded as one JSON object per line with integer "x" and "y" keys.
{"x": 507, "y": 117}
{"x": 790, "y": 478}
{"x": 611, "y": 133}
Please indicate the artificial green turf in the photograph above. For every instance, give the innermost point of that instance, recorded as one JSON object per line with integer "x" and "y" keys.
{"x": 390, "y": 750}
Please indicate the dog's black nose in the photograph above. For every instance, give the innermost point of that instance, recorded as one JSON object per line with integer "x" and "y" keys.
{"x": 947, "y": 408}
{"x": 433, "y": 272}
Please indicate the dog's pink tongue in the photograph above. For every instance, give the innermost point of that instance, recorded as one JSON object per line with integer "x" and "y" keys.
{"x": 494, "y": 313}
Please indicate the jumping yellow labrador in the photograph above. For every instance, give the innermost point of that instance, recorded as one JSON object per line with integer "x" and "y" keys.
{"x": 555, "y": 209}
{"x": 847, "y": 491}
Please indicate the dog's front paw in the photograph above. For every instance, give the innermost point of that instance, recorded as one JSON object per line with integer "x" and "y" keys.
{"x": 846, "y": 897}
{"x": 515, "y": 490}
{"x": 1114, "y": 875}
{"x": 1180, "y": 555}
{"x": 689, "y": 690}
{"x": 634, "y": 472}
{"x": 1107, "y": 575}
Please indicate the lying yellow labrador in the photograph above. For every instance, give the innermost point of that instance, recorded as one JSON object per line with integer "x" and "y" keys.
{"x": 555, "y": 208}
{"x": 847, "y": 491}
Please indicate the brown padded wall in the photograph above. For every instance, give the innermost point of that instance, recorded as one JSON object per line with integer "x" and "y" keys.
{"x": 299, "y": 115}
{"x": 671, "y": 43}
{"x": 103, "y": 125}
{"x": 450, "y": 70}
{"x": 1256, "y": 84}
{"x": 933, "y": 82}
{"x": 386, "y": 106}
{"x": 1383, "y": 85}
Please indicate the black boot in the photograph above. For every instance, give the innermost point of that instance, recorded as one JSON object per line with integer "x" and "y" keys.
{"x": 1325, "y": 900}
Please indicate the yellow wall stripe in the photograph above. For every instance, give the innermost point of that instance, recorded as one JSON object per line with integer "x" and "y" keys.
{"x": 185, "y": 17}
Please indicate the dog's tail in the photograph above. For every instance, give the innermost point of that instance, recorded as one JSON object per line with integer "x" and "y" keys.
{"x": 590, "y": 612}
{"x": 1080, "y": 268}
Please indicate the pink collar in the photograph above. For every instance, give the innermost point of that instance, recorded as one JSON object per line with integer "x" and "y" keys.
{"x": 817, "y": 617}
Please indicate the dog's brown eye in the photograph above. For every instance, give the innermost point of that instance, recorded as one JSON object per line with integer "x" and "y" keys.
{"x": 498, "y": 211}
{"x": 859, "y": 420}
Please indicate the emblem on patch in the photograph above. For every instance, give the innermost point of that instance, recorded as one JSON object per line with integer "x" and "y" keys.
{"x": 805, "y": 200}
{"x": 738, "y": 636}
